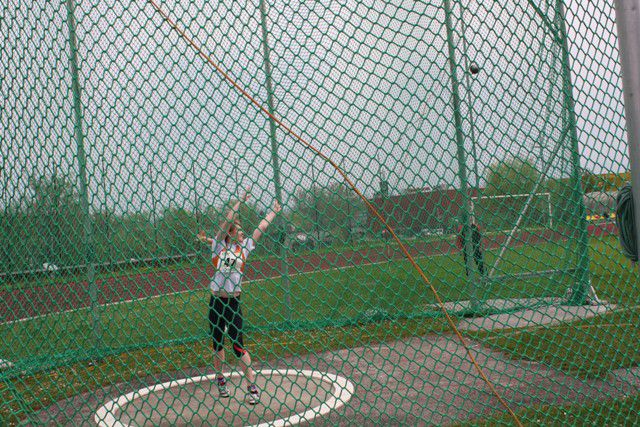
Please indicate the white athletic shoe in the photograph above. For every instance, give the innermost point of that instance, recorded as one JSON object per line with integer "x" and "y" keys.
{"x": 253, "y": 395}
{"x": 222, "y": 387}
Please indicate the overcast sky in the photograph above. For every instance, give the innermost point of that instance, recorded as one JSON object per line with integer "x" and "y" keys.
{"x": 367, "y": 82}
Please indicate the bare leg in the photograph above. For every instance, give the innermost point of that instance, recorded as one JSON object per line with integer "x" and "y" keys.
{"x": 249, "y": 373}
{"x": 218, "y": 361}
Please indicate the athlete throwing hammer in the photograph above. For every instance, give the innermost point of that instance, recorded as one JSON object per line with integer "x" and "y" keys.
{"x": 230, "y": 249}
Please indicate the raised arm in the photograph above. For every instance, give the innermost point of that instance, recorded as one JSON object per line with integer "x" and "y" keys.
{"x": 230, "y": 216}
{"x": 202, "y": 236}
{"x": 264, "y": 224}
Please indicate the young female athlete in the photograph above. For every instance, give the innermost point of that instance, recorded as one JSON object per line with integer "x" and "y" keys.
{"x": 230, "y": 251}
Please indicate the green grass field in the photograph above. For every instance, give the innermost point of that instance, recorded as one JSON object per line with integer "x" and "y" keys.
{"x": 329, "y": 310}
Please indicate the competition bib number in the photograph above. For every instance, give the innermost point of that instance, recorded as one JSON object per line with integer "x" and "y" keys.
{"x": 230, "y": 261}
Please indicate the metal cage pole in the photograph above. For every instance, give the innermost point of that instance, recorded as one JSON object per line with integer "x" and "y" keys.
{"x": 583, "y": 287}
{"x": 275, "y": 160}
{"x": 628, "y": 23}
{"x": 468, "y": 82}
{"x": 82, "y": 173}
{"x": 462, "y": 162}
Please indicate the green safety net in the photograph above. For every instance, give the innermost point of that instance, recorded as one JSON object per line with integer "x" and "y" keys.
{"x": 446, "y": 252}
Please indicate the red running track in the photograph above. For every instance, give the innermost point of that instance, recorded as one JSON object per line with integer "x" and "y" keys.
{"x": 29, "y": 301}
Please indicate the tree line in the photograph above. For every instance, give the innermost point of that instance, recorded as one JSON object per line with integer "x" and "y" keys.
{"x": 47, "y": 230}
{"x": 517, "y": 175}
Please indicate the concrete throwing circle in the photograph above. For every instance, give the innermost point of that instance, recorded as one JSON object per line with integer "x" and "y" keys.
{"x": 288, "y": 397}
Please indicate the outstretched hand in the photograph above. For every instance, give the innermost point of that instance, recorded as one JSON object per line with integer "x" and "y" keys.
{"x": 245, "y": 195}
{"x": 276, "y": 207}
{"x": 202, "y": 236}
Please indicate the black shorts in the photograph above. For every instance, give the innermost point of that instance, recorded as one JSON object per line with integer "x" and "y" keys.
{"x": 226, "y": 313}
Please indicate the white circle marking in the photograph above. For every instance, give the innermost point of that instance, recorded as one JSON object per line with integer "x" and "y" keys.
{"x": 341, "y": 392}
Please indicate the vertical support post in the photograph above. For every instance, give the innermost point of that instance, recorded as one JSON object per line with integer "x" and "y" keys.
{"x": 82, "y": 173}
{"x": 628, "y": 23}
{"x": 275, "y": 160}
{"x": 108, "y": 253}
{"x": 348, "y": 221}
{"x": 156, "y": 245}
{"x": 462, "y": 163}
{"x": 8, "y": 219}
{"x": 582, "y": 286}
{"x": 195, "y": 194}
{"x": 316, "y": 225}
{"x": 467, "y": 67}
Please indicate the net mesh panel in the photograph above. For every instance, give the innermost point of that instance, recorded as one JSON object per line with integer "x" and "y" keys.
{"x": 120, "y": 142}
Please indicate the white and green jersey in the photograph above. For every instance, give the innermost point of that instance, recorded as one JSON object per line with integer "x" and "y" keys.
{"x": 229, "y": 260}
